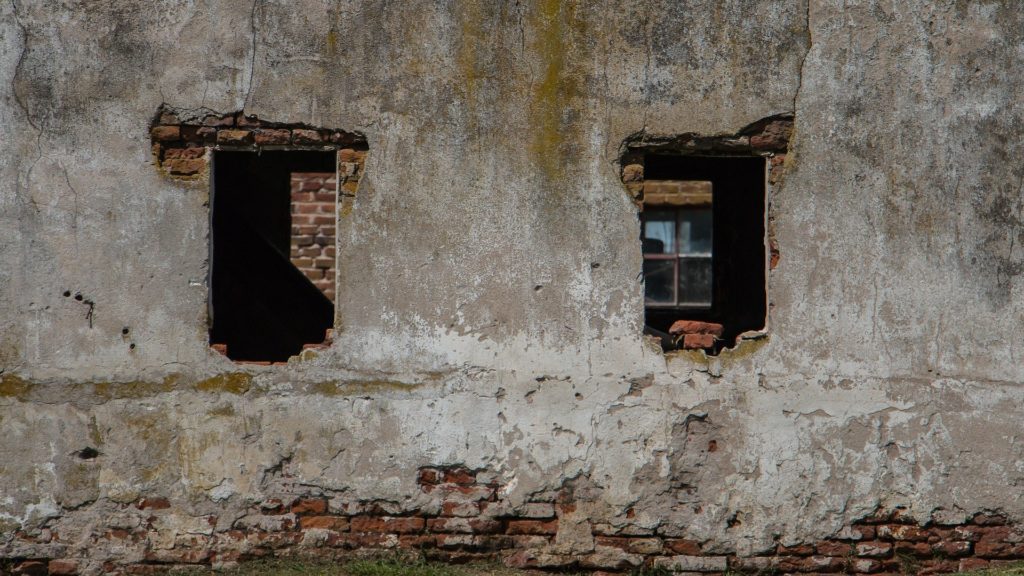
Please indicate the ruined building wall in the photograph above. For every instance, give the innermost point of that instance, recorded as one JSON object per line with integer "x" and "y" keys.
{"x": 488, "y": 388}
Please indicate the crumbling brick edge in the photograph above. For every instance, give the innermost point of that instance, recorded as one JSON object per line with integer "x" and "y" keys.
{"x": 183, "y": 138}
{"x": 768, "y": 137}
{"x": 467, "y": 520}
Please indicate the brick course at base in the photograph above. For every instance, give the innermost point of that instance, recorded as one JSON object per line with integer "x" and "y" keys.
{"x": 468, "y": 521}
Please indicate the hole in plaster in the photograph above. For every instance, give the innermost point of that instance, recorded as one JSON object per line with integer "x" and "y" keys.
{"x": 269, "y": 291}
{"x": 87, "y": 453}
{"x": 705, "y": 233}
{"x": 67, "y": 293}
{"x": 79, "y": 297}
{"x": 124, "y": 331}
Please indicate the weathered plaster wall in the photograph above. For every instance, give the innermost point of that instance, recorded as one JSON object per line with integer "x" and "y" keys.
{"x": 488, "y": 310}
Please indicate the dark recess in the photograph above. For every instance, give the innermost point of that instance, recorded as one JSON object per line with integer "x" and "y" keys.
{"x": 262, "y": 307}
{"x": 739, "y": 300}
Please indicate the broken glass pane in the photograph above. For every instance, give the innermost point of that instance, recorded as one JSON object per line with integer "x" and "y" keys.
{"x": 695, "y": 281}
{"x": 659, "y": 280}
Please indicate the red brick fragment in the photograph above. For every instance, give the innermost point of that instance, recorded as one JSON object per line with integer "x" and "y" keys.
{"x": 306, "y": 136}
{"x": 698, "y": 341}
{"x": 902, "y": 532}
{"x": 535, "y": 527}
{"x": 831, "y": 548}
{"x": 386, "y": 524}
{"x": 683, "y": 547}
{"x": 63, "y": 567}
{"x": 798, "y": 550}
{"x": 336, "y": 523}
{"x": 989, "y": 520}
{"x": 219, "y": 121}
{"x": 195, "y": 152}
{"x": 268, "y": 136}
{"x": 165, "y": 133}
{"x": 916, "y": 549}
{"x": 234, "y": 137}
{"x": 695, "y": 327}
{"x": 185, "y": 166}
{"x": 952, "y": 549}
{"x": 774, "y": 136}
{"x": 874, "y": 549}
{"x": 31, "y": 568}
{"x": 310, "y": 506}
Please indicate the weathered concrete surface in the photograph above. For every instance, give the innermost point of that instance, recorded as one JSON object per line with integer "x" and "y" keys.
{"x": 488, "y": 309}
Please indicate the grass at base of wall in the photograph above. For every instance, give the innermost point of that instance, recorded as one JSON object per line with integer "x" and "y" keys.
{"x": 1016, "y": 569}
{"x": 411, "y": 566}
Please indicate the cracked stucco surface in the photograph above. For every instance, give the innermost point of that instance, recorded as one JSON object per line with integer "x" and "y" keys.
{"x": 890, "y": 376}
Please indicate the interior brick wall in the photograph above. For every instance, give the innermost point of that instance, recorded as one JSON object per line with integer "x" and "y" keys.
{"x": 314, "y": 196}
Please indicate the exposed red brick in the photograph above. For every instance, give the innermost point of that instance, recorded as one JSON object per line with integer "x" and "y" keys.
{"x": 451, "y": 508}
{"x": 336, "y": 523}
{"x": 937, "y": 566}
{"x": 417, "y": 541}
{"x": 867, "y": 532}
{"x": 824, "y": 564}
{"x": 953, "y": 549}
{"x": 831, "y": 548}
{"x": 798, "y": 550}
{"x": 194, "y": 152}
{"x": 178, "y": 556}
{"x": 219, "y": 121}
{"x": 31, "y": 568}
{"x": 683, "y": 547}
{"x": 360, "y": 540}
{"x": 165, "y": 133}
{"x": 185, "y": 167}
{"x": 247, "y": 121}
{"x": 986, "y": 548}
{"x": 310, "y": 506}
{"x": 865, "y": 565}
{"x": 695, "y": 327}
{"x": 465, "y": 525}
{"x": 989, "y": 520}
{"x": 234, "y": 137}
{"x": 873, "y": 549}
{"x": 63, "y": 567}
{"x": 305, "y": 136}
{"x": 153, "y": 504}
{"x": 917, "y": 549}
{"x": 698, "y": 341}
{"x": 541, "y": 527}
{"x": 386, "y": 524}
{"x": 902, "y": 532}
{"x": 774, "y": 136}
{"x": 271, "y": 136}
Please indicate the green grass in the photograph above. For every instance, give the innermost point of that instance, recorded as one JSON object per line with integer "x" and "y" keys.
{"x": 1011, "y": 570}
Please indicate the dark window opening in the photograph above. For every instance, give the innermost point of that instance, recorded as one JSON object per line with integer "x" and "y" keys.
{"x": 262, "y": 307}
{"x": 703, "y": 237}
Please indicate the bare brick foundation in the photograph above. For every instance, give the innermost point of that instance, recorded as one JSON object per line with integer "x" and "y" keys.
{"x": 466, "y": 520}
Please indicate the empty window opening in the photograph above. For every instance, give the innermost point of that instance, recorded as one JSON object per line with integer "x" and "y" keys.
{"x": 703, "y": 238}
{"x": 272, "y": 270}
